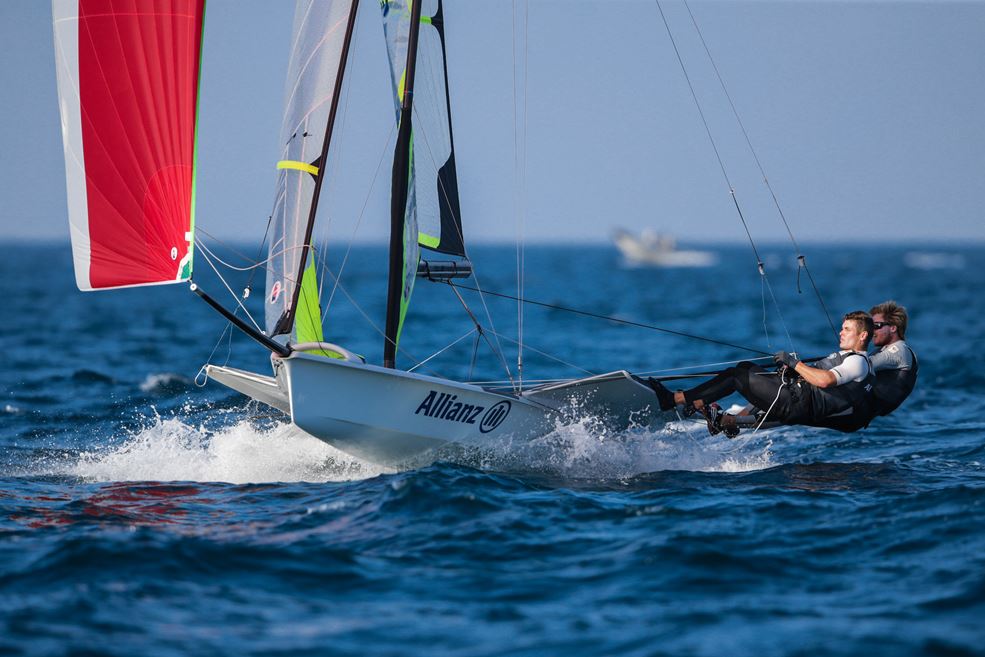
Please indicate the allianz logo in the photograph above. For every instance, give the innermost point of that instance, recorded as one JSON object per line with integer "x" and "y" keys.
{"x": 445, "y": 406}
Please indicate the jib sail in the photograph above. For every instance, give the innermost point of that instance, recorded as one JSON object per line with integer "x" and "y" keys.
{"x": 319, "y": 48}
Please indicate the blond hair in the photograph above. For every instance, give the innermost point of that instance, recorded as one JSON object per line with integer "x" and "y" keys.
{"x": 893, "y": 314}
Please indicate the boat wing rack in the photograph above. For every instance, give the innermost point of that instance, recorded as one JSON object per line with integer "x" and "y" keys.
{"x": 444, "y": 270}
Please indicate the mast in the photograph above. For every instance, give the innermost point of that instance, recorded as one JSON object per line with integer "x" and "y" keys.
{"x": 287, "y": 321}
{"x": 398, "y": 194}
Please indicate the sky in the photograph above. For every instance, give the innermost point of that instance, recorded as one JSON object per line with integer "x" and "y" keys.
{"x": 573, "y": 117}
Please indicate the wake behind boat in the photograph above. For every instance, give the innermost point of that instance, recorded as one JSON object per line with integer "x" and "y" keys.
{"x": 653, "y": 249}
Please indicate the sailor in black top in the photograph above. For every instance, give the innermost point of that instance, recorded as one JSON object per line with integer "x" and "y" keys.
{"x": 840, "y": 384}
{"x": 895, "y": 363}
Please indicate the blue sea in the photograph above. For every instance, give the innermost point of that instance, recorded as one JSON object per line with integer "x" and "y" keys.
{"x": 142, "y": 513}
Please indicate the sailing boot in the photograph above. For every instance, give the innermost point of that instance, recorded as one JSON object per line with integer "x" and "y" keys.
{"x": 713, "y": 416}
{"x": 728, "y": 425}
{"x": 664, "y": 396}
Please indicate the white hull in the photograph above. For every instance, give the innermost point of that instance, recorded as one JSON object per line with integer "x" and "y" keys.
{"x": 650, "y": 252}
{"x": 390, "y": 417}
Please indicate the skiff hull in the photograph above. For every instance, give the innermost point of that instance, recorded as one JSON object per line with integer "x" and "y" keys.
{"x": 391, "y": 417}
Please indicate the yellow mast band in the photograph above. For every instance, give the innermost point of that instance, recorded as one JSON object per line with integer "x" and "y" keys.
{"x": 300, "y": 166}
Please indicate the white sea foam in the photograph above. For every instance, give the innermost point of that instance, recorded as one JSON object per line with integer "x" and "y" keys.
{"x": 171, "y": 450}
{"x": 587, "y": 449}
{"x": 174, "y": 450}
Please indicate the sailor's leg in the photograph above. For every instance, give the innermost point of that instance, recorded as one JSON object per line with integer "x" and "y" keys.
{"x": 766, "y": 391}
{"x": 722, "y": 385}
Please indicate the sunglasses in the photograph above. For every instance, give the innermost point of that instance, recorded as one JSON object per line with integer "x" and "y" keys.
{"x": 879, "y": 325}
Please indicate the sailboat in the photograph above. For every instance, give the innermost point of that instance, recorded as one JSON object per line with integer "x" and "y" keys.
{"x": 128, "y": 90}
{"x": 655, "y": 250}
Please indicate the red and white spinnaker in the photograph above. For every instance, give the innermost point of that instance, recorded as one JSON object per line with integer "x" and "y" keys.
{"x": 128, "y": 75}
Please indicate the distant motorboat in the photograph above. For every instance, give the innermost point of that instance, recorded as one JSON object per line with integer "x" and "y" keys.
{"x": 928, "y": 260}
{"x": 656, "y": 250}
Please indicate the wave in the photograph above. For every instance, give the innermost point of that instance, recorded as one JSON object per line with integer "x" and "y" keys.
{"x": 165, "y": 383}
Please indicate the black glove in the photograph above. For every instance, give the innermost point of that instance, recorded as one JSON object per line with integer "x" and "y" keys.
{"x": 783, "y": 358}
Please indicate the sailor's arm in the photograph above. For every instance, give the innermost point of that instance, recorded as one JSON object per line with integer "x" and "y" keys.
{"x": 816, "y": 377}
{"x": 853, "y": 368}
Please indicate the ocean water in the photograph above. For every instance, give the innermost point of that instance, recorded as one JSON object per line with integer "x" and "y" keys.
{"x": 143, "y": 514}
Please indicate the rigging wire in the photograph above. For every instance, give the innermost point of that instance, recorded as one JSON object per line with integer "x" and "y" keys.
{"x": 554, "y": 358}
{"x": 801, "y": 259}
{"x": 256, "y": 264}
{"x": 718, "y": 364}
{"x": 235, "y": 296}
{"x": 721, "y": 164}
{"x": 443, "y": 349}
{"x": 520, "y": 175}
{"x": 482, "y": 334}
{"x": 202, "y": 374}
{"x": 266, "y": 232}
{"x": 206, "y": 252}
{"x": 614, "y": 319}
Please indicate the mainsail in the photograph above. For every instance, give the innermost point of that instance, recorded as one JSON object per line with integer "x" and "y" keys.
{"x": 424, "y": 186}
{"x": 434, "y": 184}
{"x": 128, "y": 76}
{"x": 322, "y": 33}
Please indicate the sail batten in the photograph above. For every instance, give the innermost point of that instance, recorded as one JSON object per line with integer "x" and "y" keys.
{"x": 128, "y": 96}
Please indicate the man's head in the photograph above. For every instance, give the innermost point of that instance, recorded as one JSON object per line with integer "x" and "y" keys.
{"x": 856, "y": 331}
{"x": 890, "y": 323}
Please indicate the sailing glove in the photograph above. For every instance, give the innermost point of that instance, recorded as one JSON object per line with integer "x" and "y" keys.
{"x": 783, "y": 358}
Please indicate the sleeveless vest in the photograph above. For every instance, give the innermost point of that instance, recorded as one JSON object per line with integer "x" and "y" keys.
{"x": 851, "y": 398}
{"x": 893, "y": 386}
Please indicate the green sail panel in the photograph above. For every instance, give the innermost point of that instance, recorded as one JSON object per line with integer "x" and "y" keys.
{"x": 307, "y": 318}
{"x": 307, "y": 322}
